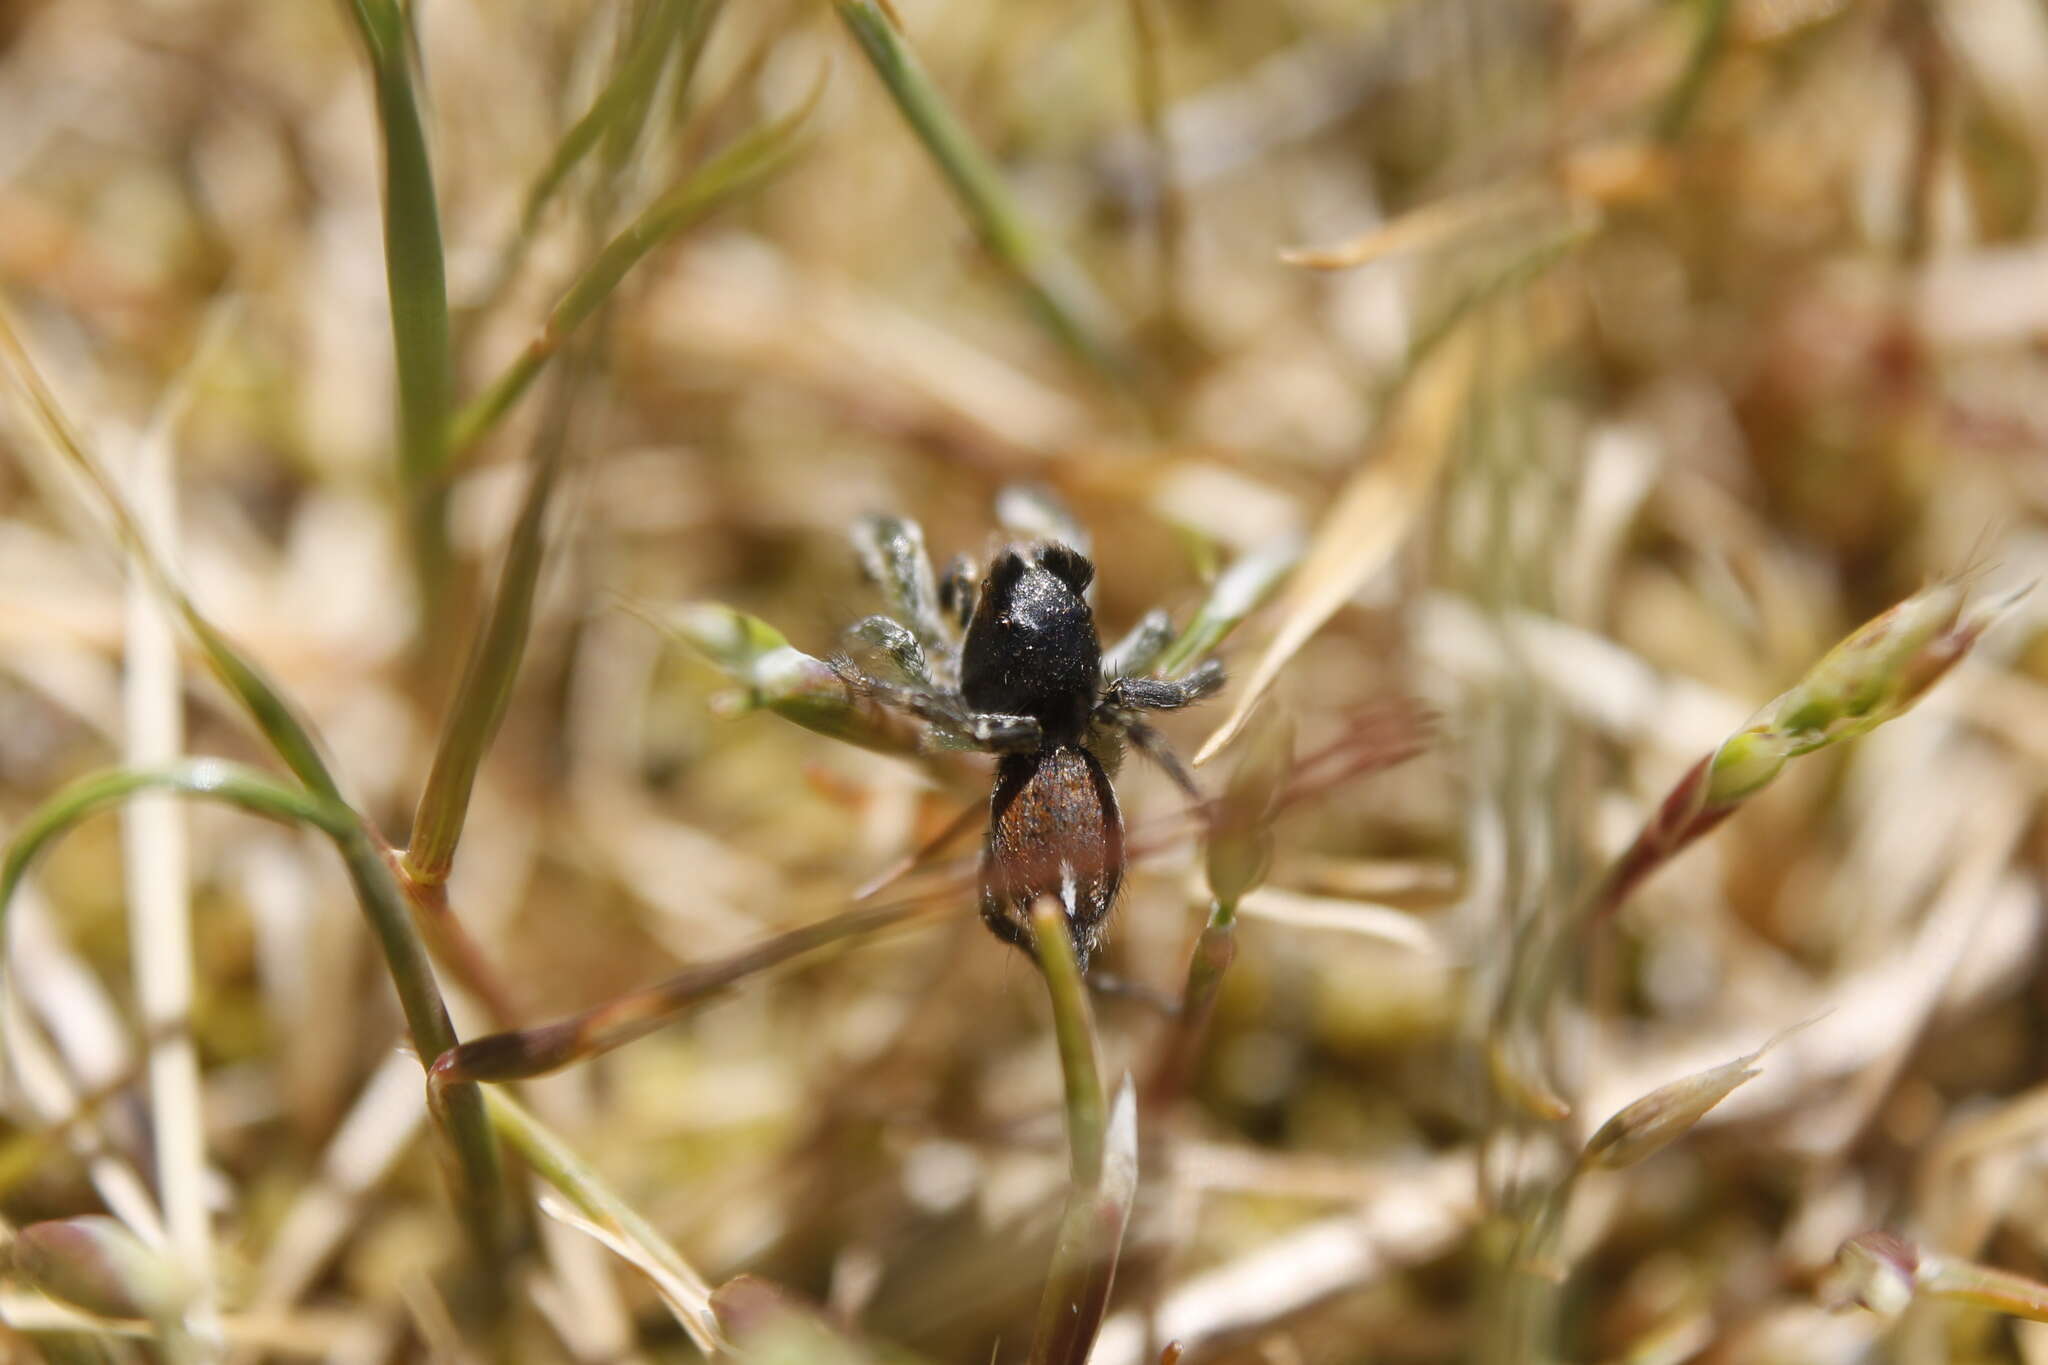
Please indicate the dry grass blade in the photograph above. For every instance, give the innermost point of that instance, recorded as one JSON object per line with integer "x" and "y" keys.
{"x": 611, "y": 1220}
{"x": 1428, "y": 226}
{"x": 536, "y": 1051}
{"x": 265, "y": 705}
{"x": 156, "y": 867}
{"x": 1370, "y": 517}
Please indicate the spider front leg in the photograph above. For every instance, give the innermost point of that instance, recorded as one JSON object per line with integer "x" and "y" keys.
{"x": 1124, "y": 698}
{"x": 1161, "y": 694}
{"x": 948, "y": 717}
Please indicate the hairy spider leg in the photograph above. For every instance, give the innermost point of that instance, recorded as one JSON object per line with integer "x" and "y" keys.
{"x": 991, "y": 732}
{"x": 1161, "y": 694}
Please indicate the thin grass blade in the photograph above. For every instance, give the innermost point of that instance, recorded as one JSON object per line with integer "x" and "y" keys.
{"x": 620, "y": 108}
{"x": 1238, "y": 591}
{"x": 258, "y": 696}
{"x": 1090, "y": 1243}
{"x": 625, "y": 1231}
{"x": 749, "y": 162}
{"x": 1059, "y": 294}
{"x": 416, "y": 278}
{"x": 211, "y": 778}
{"x": 521, "y": 1054}
{"x": 1370, "y": 518}
{"x": 486, "y": 689}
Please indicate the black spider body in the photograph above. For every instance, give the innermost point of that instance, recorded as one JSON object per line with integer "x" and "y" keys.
{"x": 1031, "y": 648}
{"x": 1016, "y": 668}
{"x": 1054, "y": 828}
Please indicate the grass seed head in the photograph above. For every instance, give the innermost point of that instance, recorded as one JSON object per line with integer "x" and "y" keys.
{"x": 95, "y": 1264}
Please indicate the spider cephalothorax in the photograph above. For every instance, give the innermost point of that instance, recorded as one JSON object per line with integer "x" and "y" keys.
{"x": 1016, "y": 668}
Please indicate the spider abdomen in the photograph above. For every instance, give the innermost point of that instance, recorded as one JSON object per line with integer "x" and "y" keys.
{"x": 1054, "y": 830}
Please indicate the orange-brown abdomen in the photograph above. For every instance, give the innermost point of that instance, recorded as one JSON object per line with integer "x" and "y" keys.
{"x": 1054, "y": 830}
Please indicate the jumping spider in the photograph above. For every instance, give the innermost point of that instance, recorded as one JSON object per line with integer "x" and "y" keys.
{"x": 1015, "y": 668}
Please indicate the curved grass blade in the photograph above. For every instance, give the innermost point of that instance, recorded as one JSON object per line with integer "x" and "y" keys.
{"x": 375, "y": 880}
{"x": 1061, "y": 296}
{"x": 747, "y": 163}
{"x": 625, "y": 1231}
{"x": 211, "y": 778}
{"x": 376, "y": 887}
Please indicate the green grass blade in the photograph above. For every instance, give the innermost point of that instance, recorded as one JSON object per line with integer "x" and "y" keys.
{"x": 479, "y": 1185}
{"x": 620, "y": 108}
{"x": 211, "y": 778}
{"x": 417, "y": 280}
{"x": 1074, "y": 1027}
{"x": 748, "y": 162}
{"x": 1238, "y": 592}
{"x": 493, "y": 667}
{"x": 1089, "y": 1245}
{"x": 1102, "y": 1144}
{"x": 1059, "y": 294}
{"x": 258, "y": 696}
{"x": 375, "y": 879}
{"x": 554, "y": 1161}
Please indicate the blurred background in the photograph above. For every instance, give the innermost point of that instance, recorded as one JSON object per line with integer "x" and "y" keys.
{"x": 1637, "y": 349}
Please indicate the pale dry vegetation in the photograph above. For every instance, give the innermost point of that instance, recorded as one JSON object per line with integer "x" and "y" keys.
{"x": 1565, "y": 378}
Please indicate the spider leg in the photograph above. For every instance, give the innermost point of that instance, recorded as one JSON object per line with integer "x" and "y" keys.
{"x": 1004, "y": 926}
{"x": 1153, "y": 745}
{"x": 879, "y": 642}
{"x": 1140, "y": 649}
{"x": 956, "y": 592}
{"x": 947, "y": 715}
{"x": 1160, "y": 694}
{"x": 892, "y": 553}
